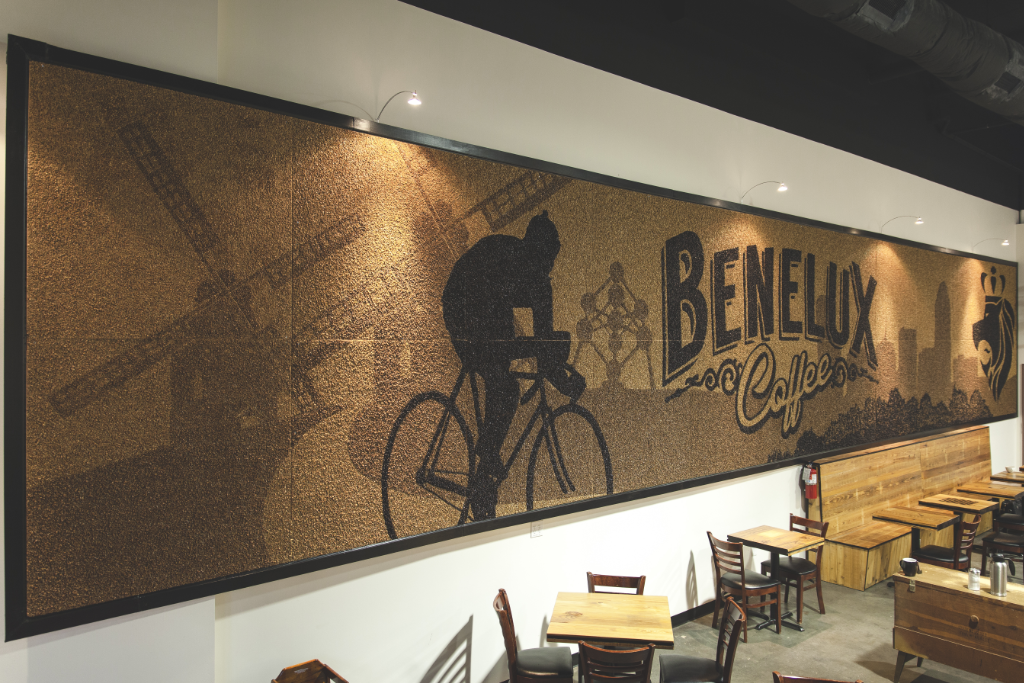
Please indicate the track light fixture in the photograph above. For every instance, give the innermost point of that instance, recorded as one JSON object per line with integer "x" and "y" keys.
{"x": 1003, "y": 243}
{"x": 782, "y": 187}
{"x": 414, "y": 101}
{"x": 918, "y": 221}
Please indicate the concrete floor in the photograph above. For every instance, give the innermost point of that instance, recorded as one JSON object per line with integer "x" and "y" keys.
{"x": 852, "y": 641}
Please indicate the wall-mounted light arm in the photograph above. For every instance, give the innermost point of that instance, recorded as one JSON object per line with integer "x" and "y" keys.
{"x": 782, "y": 187}
{"x": 918, "y": 221}
{"x": 414, "y": 101}
{"x": 1005, "y": 242}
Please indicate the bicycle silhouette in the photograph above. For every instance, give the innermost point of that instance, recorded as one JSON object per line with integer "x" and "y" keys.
{"x": 429, "y": 462}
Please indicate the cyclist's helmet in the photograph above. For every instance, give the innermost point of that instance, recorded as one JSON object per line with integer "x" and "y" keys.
{"x": 542, "y": 232}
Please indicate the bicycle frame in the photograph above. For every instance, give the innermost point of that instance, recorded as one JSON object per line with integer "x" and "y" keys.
{"x": 439, "y": 472}
{"x": 428, "y": 474}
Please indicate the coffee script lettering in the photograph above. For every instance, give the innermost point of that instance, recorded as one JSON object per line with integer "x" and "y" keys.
{"x": 762, "y": 395}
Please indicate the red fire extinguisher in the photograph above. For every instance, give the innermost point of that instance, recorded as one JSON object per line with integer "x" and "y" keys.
{"x": 810, "y": 479}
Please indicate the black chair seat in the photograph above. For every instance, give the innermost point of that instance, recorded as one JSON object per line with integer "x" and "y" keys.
{"x": 1005, "y": 539}
{"x": 1011, "y": 518}
{"x": 682, "y": 669}
{"x": 791, "y": 565}
{"x": 538, "y": 662}
{"x": 939, "y": 554}
{"x": 753, "y": 580}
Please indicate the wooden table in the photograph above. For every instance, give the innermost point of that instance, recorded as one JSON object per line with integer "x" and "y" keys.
{"x": 918, "y": 517}
{"x": 971, "y": 630}
{"x": 993, "y": 490}
{"x": 950, "y": 501}
{"x": 1009, "y": 477}
{"x": 777, "y": 542}
{"x": 611, "y": 618}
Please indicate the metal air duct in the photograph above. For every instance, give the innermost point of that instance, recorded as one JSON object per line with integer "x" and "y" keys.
{"x": 976, "y": 61}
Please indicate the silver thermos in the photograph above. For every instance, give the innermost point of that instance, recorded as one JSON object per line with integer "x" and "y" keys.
{"x": 998, "y": 580}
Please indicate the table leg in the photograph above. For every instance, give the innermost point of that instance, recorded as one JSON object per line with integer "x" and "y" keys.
{"x": 915, "y": 539}
{"x": 901, "y": 659}
{"x": 776, "y": 606}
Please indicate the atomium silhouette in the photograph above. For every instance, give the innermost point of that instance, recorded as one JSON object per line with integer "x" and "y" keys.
{"x": 614, "y": 325}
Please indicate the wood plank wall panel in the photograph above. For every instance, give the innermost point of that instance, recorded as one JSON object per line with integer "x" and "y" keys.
{"x": 853, "y": 489}
{"x": 949, "y": 463}
{"x": 856, "y": 485}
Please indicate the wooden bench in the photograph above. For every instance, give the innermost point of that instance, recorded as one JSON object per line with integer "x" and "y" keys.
{"x": 861, "y": 557}
{"x": 855, "y": 486}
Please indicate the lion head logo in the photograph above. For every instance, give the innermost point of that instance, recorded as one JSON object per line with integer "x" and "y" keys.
{"x": 994, "y": 334}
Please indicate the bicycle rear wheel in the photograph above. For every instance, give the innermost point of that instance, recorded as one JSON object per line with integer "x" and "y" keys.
{"x": 569, "y": 461}
{"x": 427, "y": 467}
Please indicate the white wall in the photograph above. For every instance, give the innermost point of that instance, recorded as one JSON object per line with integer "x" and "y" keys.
{"x": 394, "y": 618}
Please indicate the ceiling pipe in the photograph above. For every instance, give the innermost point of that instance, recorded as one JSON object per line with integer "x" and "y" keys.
{"x": 975, "y": 61}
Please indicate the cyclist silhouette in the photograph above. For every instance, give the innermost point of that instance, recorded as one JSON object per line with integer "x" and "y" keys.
{"x": 498, "y": 274}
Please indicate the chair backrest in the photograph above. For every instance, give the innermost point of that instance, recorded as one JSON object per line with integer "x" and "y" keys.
{"x": 622, "y": 666}
{"x": 728, "y": 557}
{"x": 313, "y": 671}
{"x": 965, "y": 542}
{"x": 729, "y": 632}
{"x": 779, "y": 678}
{"x": 812, "y": 527}
{"x": 634, "y": 582}
{"x": 1002, "y": 525}
{"x": 508, "y": 630}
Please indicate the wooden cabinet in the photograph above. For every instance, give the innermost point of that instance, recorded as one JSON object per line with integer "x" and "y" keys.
{"x": 938, "y": 618}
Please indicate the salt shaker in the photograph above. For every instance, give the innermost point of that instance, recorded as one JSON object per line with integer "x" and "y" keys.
{"x": 974, "y": 579}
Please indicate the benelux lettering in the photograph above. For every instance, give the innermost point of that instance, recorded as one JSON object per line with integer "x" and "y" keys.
{"x": 686, "y": 307}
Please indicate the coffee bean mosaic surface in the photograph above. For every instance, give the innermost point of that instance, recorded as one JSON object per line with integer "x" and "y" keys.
{"x": 229, "y": 310}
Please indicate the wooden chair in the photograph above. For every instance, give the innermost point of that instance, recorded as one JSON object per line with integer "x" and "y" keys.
{"x": 779, "y": 678}
{"x": 622, "y": 666}
{"x": 683, "y": 669}
{"x": 1010, "y": 510}
{"x": 959, "y": 556}
{"x": 1008, "y": 539}
{"x": 797, "y": 571}
{"x": 533, "y": 665}
{"x": 313, "y": 671}
{"x": 634, "y": 582}
{"x": 732, "y": 577}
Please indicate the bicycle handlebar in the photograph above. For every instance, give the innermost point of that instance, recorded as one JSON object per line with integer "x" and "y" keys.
{"x": 570, "y": 382}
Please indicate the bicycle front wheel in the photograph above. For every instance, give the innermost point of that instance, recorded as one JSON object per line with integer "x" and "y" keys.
{"x": 569, "y": 461}
{"x": 427, "y": 467}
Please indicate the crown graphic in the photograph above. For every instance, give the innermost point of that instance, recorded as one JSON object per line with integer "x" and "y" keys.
{"x": 994, "y": 284}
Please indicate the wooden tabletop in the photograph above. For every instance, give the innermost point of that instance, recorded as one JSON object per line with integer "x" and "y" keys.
{"x": 776, "y": 540}
{"x": 1009, "y": 477}
{"x": 950, "y": 501}
{"x": 611, "y": 618}
{"x": 919, "y": 516}
{"x": 871, "y": 535}
{"x": 993, "y": 490}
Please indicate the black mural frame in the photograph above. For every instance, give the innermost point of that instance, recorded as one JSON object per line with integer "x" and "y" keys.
{"x": 20, "y": 53}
